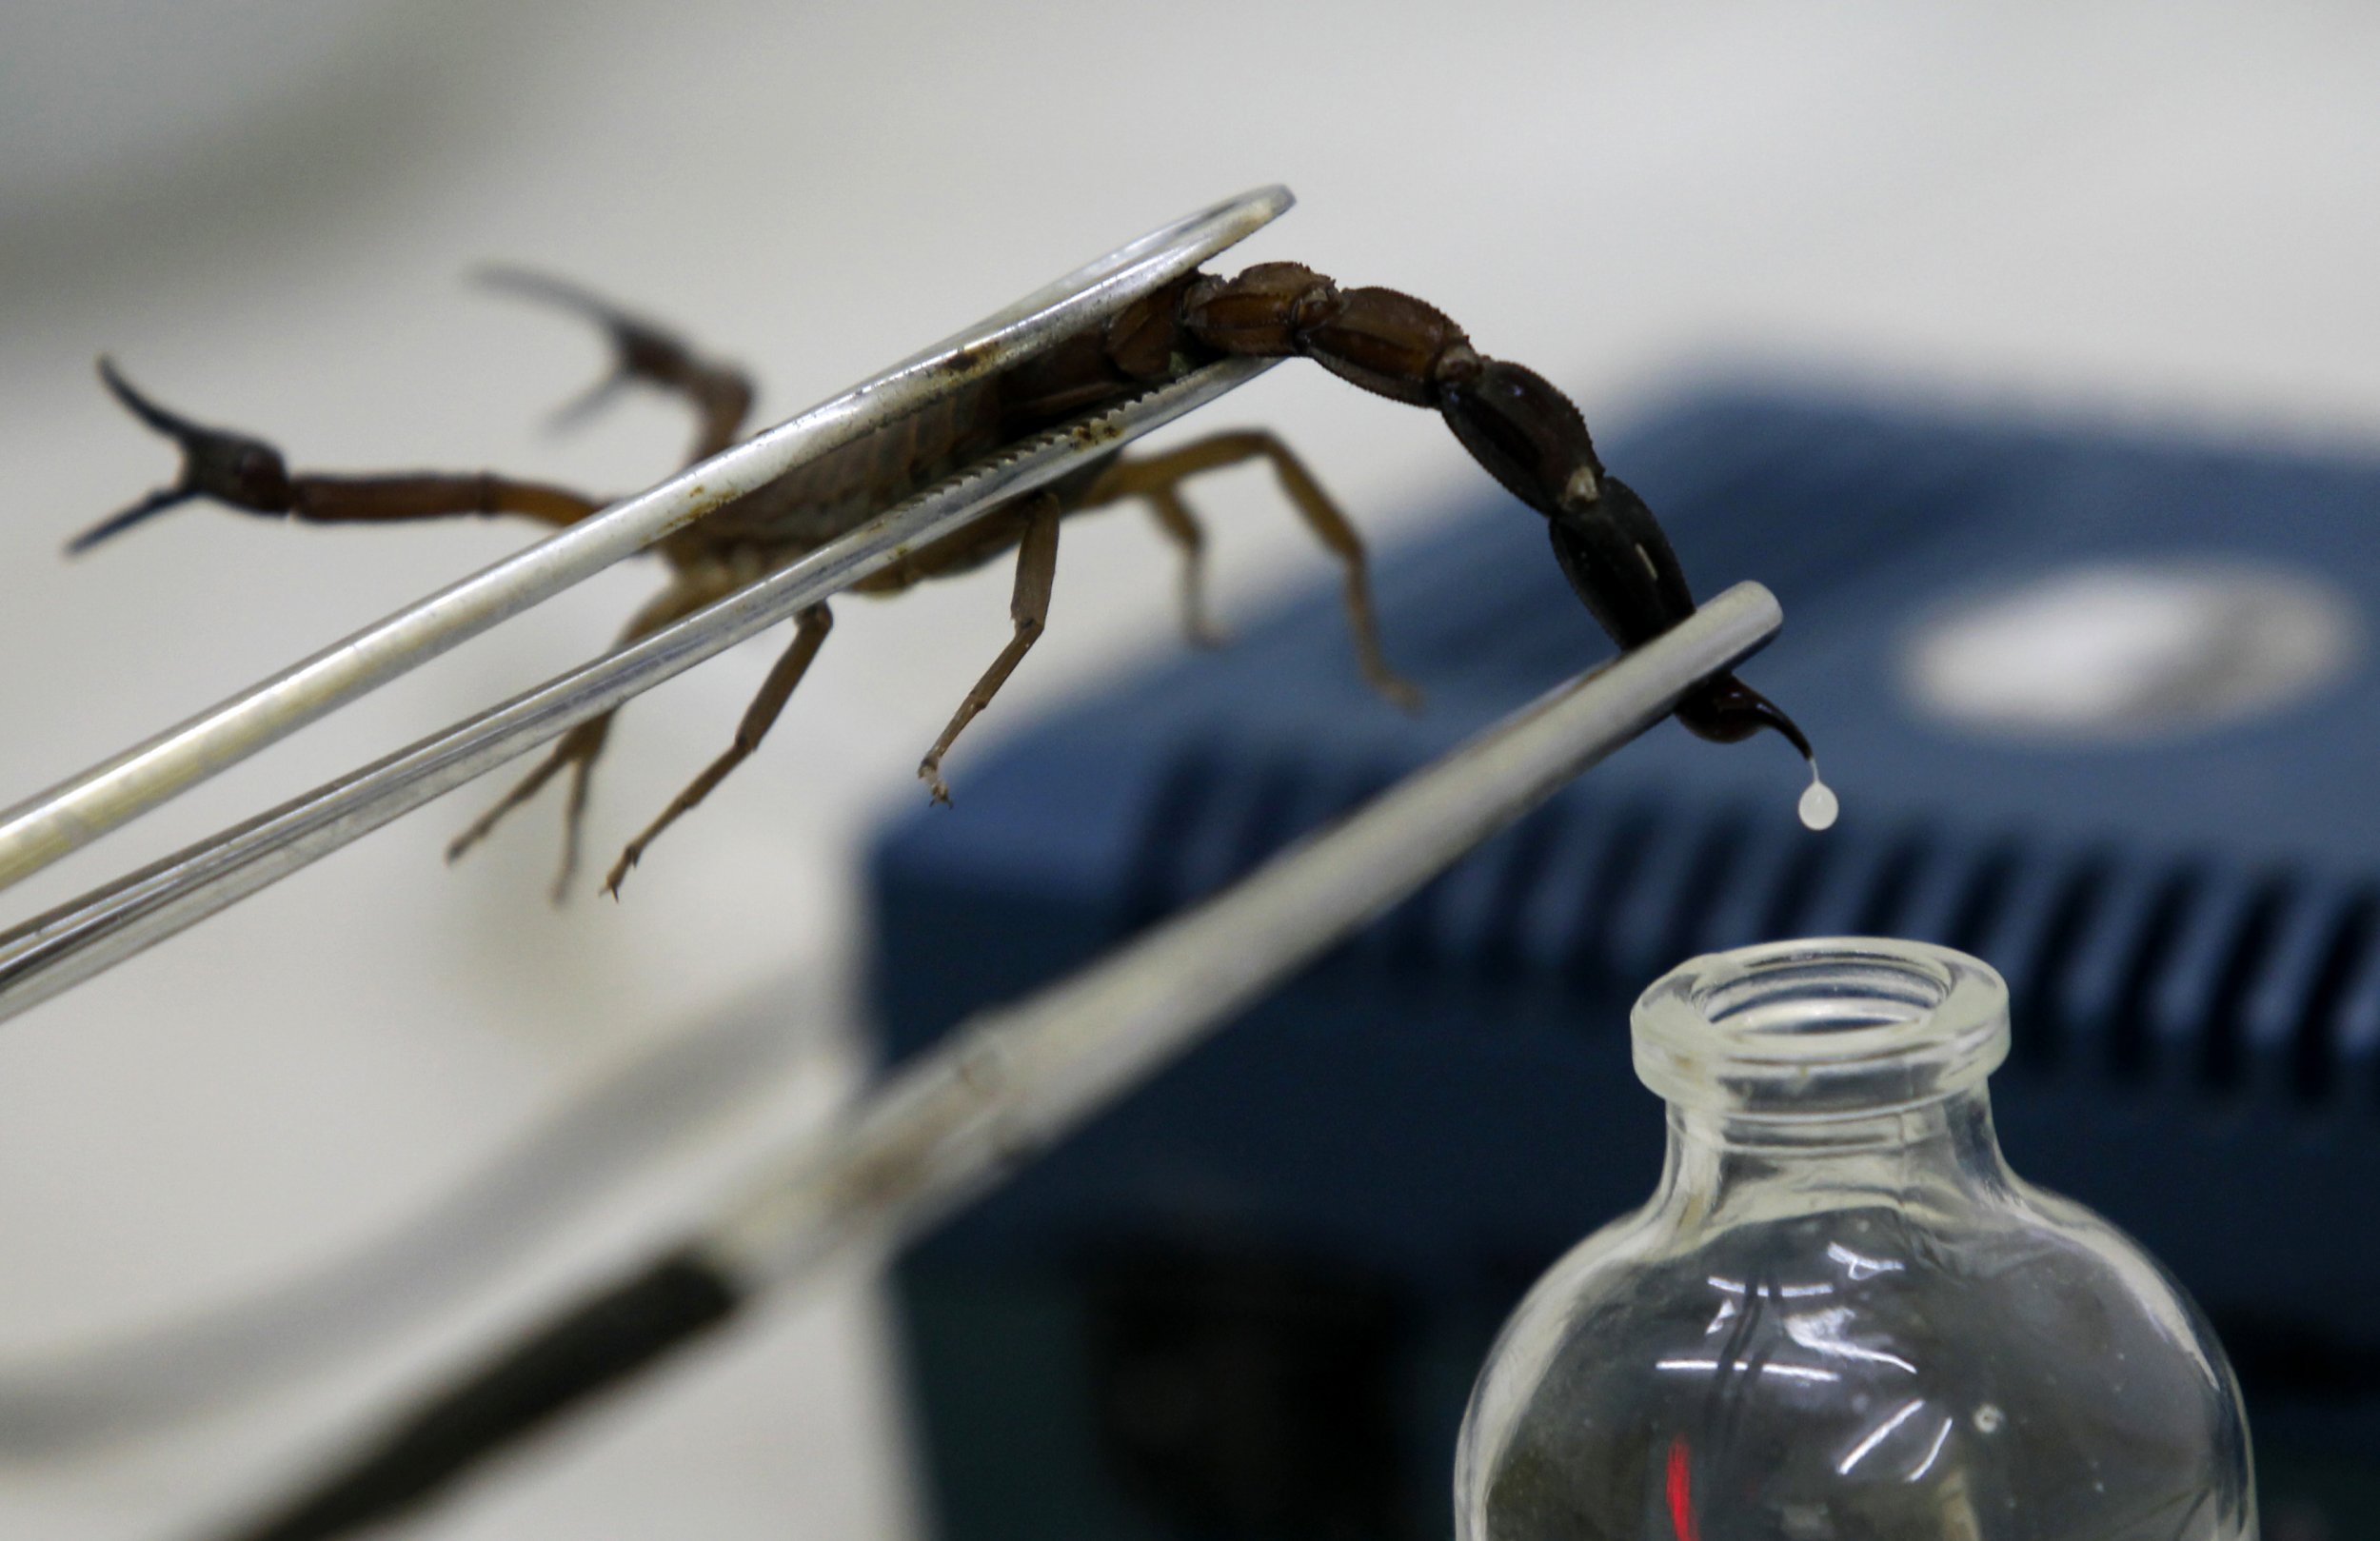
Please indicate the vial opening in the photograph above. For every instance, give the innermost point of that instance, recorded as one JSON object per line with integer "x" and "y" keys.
{"x": 1830, "y": 1027}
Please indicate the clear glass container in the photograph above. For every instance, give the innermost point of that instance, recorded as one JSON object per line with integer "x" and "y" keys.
{"x": 1841, "y": 1317}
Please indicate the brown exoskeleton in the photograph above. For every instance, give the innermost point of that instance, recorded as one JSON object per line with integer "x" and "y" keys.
{"x": 1526, "y": 433}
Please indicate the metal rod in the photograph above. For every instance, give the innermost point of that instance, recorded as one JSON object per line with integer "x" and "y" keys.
{"x": 52, "y": 951}
{"x": 1003, "y": 1088}
{"x": 1000, "y": 1090}
{"x": 79, "y": 810}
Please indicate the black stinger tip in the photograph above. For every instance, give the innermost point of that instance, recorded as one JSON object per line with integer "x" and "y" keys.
{"x": 1723, "y": 710}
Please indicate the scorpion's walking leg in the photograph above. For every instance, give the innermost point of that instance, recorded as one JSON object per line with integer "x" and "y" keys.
{"x": 1158, "y": 477}
{"x": 576, "y": 750}
{"x": 1028, "y": 608}
{"x": 1182, "y": 526}
{"x": 810, "y": 629}
{"x": 579, "y": 748}
{"x": 249, "y": 475}
{"x": 718, "y": 393}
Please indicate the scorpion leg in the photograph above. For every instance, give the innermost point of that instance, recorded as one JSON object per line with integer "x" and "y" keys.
{"x": 578, "y": 749}
{"x": 1182, "y": 526}
{"x": 1028, "y": 609}
{"x": 718, "y": 393}
{"x": 1159, "y": 478}
{"x": 810, "y": 629}
{"x": 249, "y": 475}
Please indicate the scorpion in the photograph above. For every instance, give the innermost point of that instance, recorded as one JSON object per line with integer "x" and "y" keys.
{"x": 1527, "y": 435}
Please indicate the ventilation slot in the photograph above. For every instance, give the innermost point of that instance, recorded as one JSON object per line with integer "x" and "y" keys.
{"x": 1185, "y": 794}
{"x": 1676, "y": 909}
{"x": 1601, "y": 893}
{"x": 2034, "y": 942}
{"x": 2316, "y": 1046}
{"x": 1468, "y": 921}
{"x": 2129, "y": 1052}
{"x": 1858, "y": 879}
{"x": 2356, "y": 1037}
{"x": 1987, "y": 890}
{"x": 1212, "y": 822}
{"x": 1740, "y": 909}
{"x": 1798, "y": 884}
{"x": 2173, "y": 974}
{"x": 2222, "y": 1050}
{"x": 1641, "y": 910}
{"x": 1896, "y": 881}
{"x": 1554, "y": 916}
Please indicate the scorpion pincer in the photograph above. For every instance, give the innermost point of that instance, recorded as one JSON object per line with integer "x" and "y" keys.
{"x": 1526, "y": 433}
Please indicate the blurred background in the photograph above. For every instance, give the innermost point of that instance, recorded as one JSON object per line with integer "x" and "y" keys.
{"x": 2146, "y": 218}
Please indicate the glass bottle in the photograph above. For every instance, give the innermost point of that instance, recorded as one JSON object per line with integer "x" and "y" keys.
{"x": 1841, "y": 1317}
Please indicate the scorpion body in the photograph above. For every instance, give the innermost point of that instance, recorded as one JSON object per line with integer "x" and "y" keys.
{"x": 1526, "y": 433}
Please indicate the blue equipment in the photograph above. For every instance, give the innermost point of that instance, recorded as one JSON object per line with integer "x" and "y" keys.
{"x": 1248, "y": 1302}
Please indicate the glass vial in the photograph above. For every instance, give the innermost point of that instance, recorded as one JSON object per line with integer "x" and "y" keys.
{"x": 1841, "y": 1317}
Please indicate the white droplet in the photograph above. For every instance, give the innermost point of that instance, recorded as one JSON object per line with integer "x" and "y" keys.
{"x": 1989, "y": 1418}
{"x": 1819, "y": 808}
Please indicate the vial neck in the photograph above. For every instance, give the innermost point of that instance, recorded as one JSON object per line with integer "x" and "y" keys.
{"x": 1832, "y": 1069}
{"x": 1723, "y": 1163}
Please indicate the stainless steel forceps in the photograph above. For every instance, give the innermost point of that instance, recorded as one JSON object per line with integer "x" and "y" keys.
{"x": 52, "y": 951}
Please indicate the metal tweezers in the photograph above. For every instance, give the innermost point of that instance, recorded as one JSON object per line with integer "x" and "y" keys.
{"x": 54, "y": 951}
{"x": 954, "y": 1119}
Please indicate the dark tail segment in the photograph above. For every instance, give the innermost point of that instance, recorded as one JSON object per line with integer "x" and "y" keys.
{"x": 1527, "y": 434}
{"x": 607, "y": 1338}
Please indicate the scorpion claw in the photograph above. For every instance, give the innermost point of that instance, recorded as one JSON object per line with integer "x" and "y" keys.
{"x": 587, "y": 402}
{"x": 172, "y": 425}
{"x": 243, "y": 473}
{"x": 641, "y": 349}
{"x": 156, "y": 503}
{"x": 559, "y": 292}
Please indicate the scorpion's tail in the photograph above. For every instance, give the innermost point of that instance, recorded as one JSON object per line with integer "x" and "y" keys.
{"x": 1526, "y": 433}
